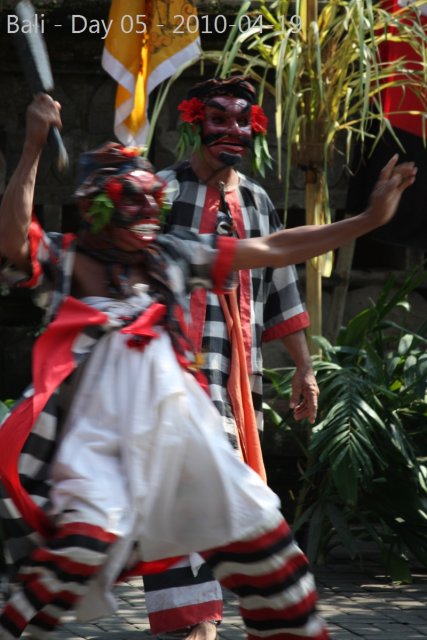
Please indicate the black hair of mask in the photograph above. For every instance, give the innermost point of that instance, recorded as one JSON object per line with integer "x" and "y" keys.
{"x": 109, "y": 160}
{"x": 211, "y": 102}
{"x": 236, "y": 86}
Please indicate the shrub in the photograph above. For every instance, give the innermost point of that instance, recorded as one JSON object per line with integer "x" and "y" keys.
{"x": 365, "y": 476}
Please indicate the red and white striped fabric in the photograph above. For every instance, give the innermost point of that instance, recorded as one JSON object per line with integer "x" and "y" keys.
{"x": 269, "y": 573}
{"x": 54, "y": 578}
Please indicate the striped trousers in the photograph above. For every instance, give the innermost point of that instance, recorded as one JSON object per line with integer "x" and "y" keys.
{"x": 182, "y": 597}
{"x": 53, "y": 579}
{"x": 267, "y": 571}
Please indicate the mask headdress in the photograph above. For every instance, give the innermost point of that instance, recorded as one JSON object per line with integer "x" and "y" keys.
{"x": 193, "y": 114}
{"x": 117, "y": 186}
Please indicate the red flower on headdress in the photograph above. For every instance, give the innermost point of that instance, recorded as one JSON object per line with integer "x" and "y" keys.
{"x": 131, "y": 152}
{"x": 160, "y": 195}
{"x": 192, "y": 110}
{"x": 259, "y": 120}
{"x": 114, "y": 190}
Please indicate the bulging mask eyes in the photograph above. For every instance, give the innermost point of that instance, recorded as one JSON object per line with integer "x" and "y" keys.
{"x": 227, "y": 111}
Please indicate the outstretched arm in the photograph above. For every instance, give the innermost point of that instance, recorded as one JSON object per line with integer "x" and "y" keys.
{"x": 292, "y": 246}
{"x": 17, "y": 202}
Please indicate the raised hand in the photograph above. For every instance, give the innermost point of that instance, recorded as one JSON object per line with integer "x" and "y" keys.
{"x": 42, "y": 114}
{"x": 386, "y": 194}
{"x": 17, "y": 202}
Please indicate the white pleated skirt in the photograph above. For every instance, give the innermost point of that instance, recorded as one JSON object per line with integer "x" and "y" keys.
{"x": 144, "y": 456}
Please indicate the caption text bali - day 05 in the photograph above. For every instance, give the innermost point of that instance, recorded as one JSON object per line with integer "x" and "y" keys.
{"x": 204, "y": 24}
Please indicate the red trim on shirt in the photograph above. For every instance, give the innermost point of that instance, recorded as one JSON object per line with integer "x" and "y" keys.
{"x": 67, "y": 239}
{"x": 285, "y": 328}
{"x": 197, "y": 318}
{"x": 198, "y": 297}
{"x": 35, "y": 235}
{"x": 245, "y": 280}
{"x": 222, "y": 266}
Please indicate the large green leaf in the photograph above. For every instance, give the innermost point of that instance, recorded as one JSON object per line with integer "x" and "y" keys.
{"x": 343, "y": 528}
{"x": 366, "y": 478}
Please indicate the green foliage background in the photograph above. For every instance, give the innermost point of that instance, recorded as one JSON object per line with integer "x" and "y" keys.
{"x": 365, "y": 477}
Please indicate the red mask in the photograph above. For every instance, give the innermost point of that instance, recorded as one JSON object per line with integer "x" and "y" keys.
{"x": 137, "y": 196}
{"x": 226, "y": 129}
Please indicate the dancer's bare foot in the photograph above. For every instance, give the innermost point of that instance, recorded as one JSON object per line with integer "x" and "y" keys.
{"x": 203, "y": 631}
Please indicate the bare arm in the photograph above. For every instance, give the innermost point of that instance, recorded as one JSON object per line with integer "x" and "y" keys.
{"x": 17, "y": 202}
{"x": 292, "y": 246}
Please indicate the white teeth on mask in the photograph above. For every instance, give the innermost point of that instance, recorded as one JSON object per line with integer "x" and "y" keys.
{"x": 148, "y": 227}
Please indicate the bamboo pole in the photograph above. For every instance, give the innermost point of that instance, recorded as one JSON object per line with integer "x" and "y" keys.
{"x": 309, "y": 13}
{"x": 313, "y": 189}
{"x": 342, "y": 274}
{"x": 313, "y": 287}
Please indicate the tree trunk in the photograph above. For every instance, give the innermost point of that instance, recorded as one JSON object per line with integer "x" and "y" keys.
{"x": 313, "y": 190}
{"x": 313, "y": 203}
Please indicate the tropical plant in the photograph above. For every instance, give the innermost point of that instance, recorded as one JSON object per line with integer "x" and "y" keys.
{"x": 365, "y": 476}
{"x": 327, "y": 75}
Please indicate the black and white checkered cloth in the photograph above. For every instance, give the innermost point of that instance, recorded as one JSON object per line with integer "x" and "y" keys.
{"x": 274, "y": 305}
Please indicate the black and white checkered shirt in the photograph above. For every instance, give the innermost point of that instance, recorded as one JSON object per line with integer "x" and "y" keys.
{"x": 269, "y": 300}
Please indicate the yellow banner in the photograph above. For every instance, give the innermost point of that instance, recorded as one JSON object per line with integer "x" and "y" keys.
{"x": 147, "y": 42}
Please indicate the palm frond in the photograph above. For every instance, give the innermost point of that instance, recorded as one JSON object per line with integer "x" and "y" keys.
{"x": 366, "y": 473}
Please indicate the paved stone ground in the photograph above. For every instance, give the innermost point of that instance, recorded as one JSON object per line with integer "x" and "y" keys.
{"x": 355, "y": 604}
{"x": 365, "y": 605}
